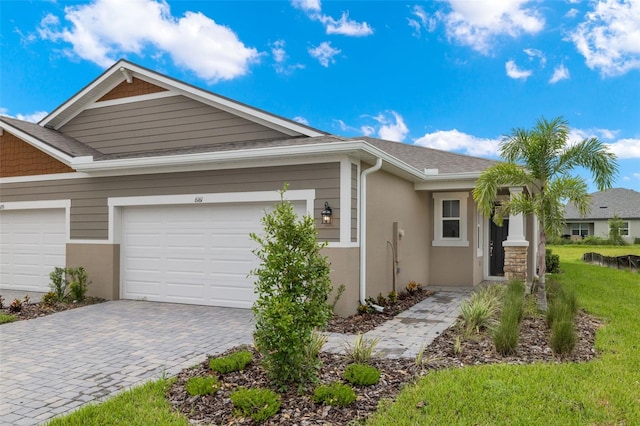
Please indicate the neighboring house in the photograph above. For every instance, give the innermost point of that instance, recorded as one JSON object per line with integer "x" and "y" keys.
{"x": 153, "y": 185}
{"x": 621, "y": 202}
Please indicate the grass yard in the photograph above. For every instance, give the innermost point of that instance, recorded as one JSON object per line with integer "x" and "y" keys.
{"x": 604, "y": 391}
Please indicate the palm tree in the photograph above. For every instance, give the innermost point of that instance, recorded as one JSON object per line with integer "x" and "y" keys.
{"x": 542, "y": 160}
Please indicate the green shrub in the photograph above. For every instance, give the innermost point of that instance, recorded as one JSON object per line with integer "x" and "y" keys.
{"x": 362, "y": 349}
{"x": 563, "y": 306}
{"x": 336, "y": 394}
{"x": 15, "y": 306}
{"x": 393, "y": 297}
{"x": 552, "y": 261}
{"x": 563, "y": 337}
{"x": 259, "y": 404}
{"x": 293, "y": 287}
{"x": 79, "y": 283}
{"x": 318, "y": 340}
{"x": 59, "y": 283}
{"x": 202, "y": 385}
{"x": 362, "y": 375}
{"x": 233, "y": 362}
{"x": 479, "y": 312}
{"x": 49, "y": 298}
{"x": 505, "y": 336}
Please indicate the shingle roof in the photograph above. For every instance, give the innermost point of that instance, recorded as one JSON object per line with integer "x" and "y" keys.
{"x": 428, "y": 158}
{"x": 605, "y": 204}
{"x": 52, "y": 138}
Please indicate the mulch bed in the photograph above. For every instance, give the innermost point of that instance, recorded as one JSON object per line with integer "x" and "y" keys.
{"x": 36, "y": 310}
{"x": 299, "y": 409}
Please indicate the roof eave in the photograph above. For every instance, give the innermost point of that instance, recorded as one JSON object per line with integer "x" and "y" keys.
{"x": 42, "y": 146}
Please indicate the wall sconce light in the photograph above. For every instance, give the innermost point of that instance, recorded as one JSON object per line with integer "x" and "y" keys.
{"x": 326, "y": 214}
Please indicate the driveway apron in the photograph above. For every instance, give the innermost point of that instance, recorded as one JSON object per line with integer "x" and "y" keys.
{"x": 54, "y": 364}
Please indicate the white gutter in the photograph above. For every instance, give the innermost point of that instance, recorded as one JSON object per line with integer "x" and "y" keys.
{"x": 363, "y": 228}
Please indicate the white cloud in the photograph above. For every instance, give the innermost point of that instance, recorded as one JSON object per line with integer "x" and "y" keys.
{"x": 421, "y": 20}
{"x": 34, "y": 117}
{"x": 454, "y": 140}
{"x": 559, "y": 73}
{"x": 342, "y": 26}
{"x": 572, "y": 13}
{"x": 301, "y": 120}
{"x": 280, "y": 58}
{"x": 345, "y": 26}
{"x": 535, "y": 53}
{"x": 516, "y": 73}
{"x": 104, "y": 30}
{"x": 368, "y": 130}
{"x": 609, "y": 37}
{"x": 307, "y": 5}
{"x": 478, "y": 23}
{"x": 324, "y": 53}
{"x": 626, "y": 148}
{"x": 392, "y": 126}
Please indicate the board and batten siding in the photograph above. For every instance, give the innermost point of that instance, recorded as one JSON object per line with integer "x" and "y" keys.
{"x": 89, "y": 208}
{"x": 164, "y": 123}
{"x": 354, "y": 203}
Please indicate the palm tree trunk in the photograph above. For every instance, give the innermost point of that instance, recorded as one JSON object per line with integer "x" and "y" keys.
{"x": 542, "y": 268}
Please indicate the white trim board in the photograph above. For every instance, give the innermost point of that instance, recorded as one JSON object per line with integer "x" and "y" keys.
{"x": 132, "y": 99}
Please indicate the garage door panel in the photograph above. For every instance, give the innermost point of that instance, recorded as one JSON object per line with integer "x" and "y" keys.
{"x": 33, "y": 243}
{"x": 204, "y": 252}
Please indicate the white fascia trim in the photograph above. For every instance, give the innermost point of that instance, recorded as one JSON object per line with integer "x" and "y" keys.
{"x": 464, "y": 182}
{"x": 342, "y": 245}
{"x": 42, "y": 205}
{"x": 345, "y": 200}
{"x": 131, "y": 99}
{"x": 43, "y": 178}
{"x": 306, "y": 195}
{"x": 36, "y": 143}
{"x": 89, "y": 242}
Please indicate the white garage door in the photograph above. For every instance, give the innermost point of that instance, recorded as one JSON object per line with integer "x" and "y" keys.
{"x": 196, "y": 254}
{"x": 32, "y": 243}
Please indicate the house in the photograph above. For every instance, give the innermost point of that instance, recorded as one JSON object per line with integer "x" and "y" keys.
{"x": 153, "y": 185}
{"x": 621, "y": 202}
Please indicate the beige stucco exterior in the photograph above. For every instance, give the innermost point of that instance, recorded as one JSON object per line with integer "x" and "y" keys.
{"x": 345, "y": 270}
{"x": 102, "y": 263}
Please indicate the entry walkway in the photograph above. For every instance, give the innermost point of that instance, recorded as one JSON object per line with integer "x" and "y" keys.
{"x": 404, "y": 335}
{"x": 55, "y": 364}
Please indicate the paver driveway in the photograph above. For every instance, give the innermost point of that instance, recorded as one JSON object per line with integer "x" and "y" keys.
{"x": 52, "y": 365}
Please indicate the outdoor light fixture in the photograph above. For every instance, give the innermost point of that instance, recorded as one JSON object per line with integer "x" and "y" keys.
{"x": 326, "y": 214}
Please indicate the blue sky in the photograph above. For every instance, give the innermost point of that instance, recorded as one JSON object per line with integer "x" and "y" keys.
{"x": 453, "y": 75}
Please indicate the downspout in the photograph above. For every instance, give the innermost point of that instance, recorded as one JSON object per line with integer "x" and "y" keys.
{"x": 363, "y": 228}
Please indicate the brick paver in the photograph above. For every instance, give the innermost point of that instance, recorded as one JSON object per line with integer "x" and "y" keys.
{"x": 55, "y": 364}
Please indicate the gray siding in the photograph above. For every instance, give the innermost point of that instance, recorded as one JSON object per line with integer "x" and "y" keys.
{"x": 89, "y": 210}
{"x": 354, "y": 203}
{"x": 165, "y": 123}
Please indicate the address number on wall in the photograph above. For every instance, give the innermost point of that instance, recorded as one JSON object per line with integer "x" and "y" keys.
{"x": 198, "y": 200}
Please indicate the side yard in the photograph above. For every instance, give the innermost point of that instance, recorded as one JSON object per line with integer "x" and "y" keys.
{"x": 603, "y": 391}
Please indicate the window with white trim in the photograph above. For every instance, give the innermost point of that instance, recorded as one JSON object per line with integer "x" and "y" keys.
{"x": 581, "y": 229}
{"x": 450, "y": 219}
{"x": 624, "y": 229}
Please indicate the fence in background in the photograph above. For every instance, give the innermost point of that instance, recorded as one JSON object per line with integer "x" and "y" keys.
{"x": 629, "y": 262}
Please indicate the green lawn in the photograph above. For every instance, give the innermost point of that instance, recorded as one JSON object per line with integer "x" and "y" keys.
{"x": 604, "y": 391}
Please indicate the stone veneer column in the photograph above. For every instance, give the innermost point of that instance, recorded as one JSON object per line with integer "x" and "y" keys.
{"x": 516, "y": 246}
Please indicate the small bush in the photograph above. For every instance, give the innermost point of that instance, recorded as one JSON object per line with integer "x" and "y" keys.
{"x": 478, "y": 312}
{"x": 59, "y": 283}
{"x": 505, "y": 336}
{"x": 233, "y": 362}
{"x": 49, "y": 298}
{"x": 4, "y": 318}
{"x": 362, "y": 375}
{"x": 393, "y": 297}
{"x": 202, "y": 385}
{"x": 563, "y": 337}
{"x": 336, "y": 394}
{"x": 563, "y": 306}
{"x": 318, "y": 340}
{"x": 362, "y": 349}
{"x": 15, "y": 306}
{"x": 259, "y": 404}
{"x": 413, "y": 286}
{"x": 552, "y": 262}
{"x": 381, "y": 300}
{"x": 79, "y": 283}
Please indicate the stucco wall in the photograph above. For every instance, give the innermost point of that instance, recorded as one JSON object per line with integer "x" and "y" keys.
{"x": 345, "y": 269}
{"x": 391, "y": 199}
{"x": 102, "y": 262}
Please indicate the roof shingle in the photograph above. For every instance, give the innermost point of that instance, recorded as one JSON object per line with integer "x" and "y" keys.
{"x": 625, "y": 203}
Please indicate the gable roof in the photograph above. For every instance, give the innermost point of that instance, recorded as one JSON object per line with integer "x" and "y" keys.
{"x": 625, "y": 203}
{"x": 124, "y": 70}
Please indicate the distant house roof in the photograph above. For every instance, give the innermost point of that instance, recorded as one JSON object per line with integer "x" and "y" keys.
{"x": 625, "y": 203}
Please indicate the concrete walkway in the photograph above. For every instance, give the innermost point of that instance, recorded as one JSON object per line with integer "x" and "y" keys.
{"x": 55, "y": 364}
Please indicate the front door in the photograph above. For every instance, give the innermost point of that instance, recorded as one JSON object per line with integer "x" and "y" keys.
{"x": 497, "y": 234}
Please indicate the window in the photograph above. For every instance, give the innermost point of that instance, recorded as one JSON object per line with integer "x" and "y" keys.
{"x": 581, "y": 229}
{"x": 624, "y": 229}
{"x": 450, "y": 219}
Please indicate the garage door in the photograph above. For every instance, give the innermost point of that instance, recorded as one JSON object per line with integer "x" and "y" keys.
{"x": 32, "y": 243}
{"x": 196, "y": 254}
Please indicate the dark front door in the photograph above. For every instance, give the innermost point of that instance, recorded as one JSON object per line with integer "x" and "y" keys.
{"x": 497, "y": 234}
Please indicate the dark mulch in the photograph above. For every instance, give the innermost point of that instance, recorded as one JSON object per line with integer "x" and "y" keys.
{"x": 361, "y": 323}
{"x": 36, "y": 310}
{"x": 299, "y": 409}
